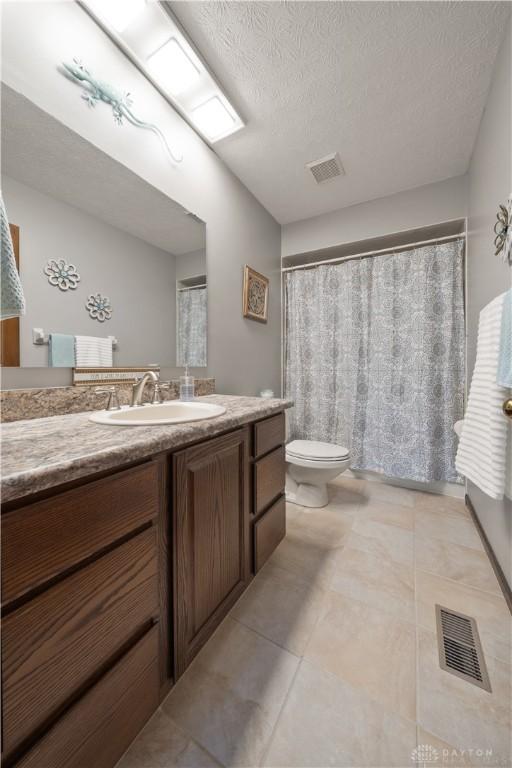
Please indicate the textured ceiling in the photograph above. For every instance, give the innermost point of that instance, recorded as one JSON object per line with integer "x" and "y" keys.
{"x": 42, "y": 153}
{"x": 397, "y": 88}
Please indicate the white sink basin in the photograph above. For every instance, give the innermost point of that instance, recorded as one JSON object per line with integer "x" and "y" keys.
{"x": 172, "y": 412}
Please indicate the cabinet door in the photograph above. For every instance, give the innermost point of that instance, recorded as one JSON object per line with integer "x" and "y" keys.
{"x": 211, "y": 545}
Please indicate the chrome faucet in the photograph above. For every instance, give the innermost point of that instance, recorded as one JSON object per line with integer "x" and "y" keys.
{"x": 139, "y": 386}
{"x": 157, "y": 392}
{"x": 113, "y": 400}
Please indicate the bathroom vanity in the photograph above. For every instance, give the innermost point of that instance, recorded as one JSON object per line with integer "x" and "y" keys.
{"x": 122, "y": 550}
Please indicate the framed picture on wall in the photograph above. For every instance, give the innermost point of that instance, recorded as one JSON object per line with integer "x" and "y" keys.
{"x": 255, "y": 295}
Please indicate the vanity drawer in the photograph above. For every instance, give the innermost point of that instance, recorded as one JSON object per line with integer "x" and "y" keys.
{"x": 269, "y": 478}
{"x": 41, "y": 540}
{"x": 56, "y": 642}
{"x": 101, "y": 725}
{"x": 269, "y": 434}
{"x": 269, "y": 530}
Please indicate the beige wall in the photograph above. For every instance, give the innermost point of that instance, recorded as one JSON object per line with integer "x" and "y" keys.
{"x": 190, "y": 265}
{"x": 420, "y": 207}
{"x": 490, "y": 183}
{"x": 244, "y": 356}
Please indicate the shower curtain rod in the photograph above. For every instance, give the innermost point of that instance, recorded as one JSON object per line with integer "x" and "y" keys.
{"x": 192, "y": 287}
{"x": 374, "y": 253}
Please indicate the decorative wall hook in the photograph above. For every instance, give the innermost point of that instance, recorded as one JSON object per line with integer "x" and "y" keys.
{"x": 97, "y": 90}
{"x": 62, "y": 274}
{"x": 503, "y": 232}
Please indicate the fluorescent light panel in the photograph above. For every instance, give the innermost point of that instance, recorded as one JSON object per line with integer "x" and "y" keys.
{"x": 155, "y": 42}
{"x": 117, "y": 13}
{"x": 172, "y": 68}
{"x": 213, "y": 119}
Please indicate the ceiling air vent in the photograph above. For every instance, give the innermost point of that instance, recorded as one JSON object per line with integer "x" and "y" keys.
{"x": 460, "y": 650}
{"x": 326, "y": 168}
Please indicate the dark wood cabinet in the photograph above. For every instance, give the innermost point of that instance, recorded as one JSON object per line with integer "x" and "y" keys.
{"x": 96, "y": 731}
{"x": 211, "y": 546}
{"x": 269, "y": 530}
{"x": 268, "y": 470}
{"x": 52, "y": 536}
{"x": 268, "y": 434}
{"x": 269, "y": 479}
{"x": 55, "y": 643}
{"x": 112, "y": 584}
{"x": 83, "y": 618}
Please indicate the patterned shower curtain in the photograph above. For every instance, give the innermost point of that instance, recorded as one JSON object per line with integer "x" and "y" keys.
{"x": 375, "y": 359}
{"x": 192, "y": 327}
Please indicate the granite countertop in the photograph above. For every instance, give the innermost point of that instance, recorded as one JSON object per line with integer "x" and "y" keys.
{"x": 41, "y": 453}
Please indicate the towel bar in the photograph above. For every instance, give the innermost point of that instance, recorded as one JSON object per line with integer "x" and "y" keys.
{"x": 39, "y": 337}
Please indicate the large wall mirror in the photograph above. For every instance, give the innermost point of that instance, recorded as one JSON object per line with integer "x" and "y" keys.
{"x": 101, "y": 254}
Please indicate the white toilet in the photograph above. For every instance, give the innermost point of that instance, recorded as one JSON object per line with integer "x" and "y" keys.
{"x": 310, "y": 465}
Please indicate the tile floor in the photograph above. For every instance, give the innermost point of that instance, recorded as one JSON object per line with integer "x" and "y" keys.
{"x": 330, "y": 657}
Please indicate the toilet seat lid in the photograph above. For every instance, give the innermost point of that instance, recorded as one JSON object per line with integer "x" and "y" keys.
{"x": 312, "y": 449}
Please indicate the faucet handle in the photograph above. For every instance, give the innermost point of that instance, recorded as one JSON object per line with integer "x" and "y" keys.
{"x": 113, "y": 398}
{"x": 157, "y": 391}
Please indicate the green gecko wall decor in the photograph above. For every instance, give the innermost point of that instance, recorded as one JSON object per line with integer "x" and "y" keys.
{"x": 97, "y": 90}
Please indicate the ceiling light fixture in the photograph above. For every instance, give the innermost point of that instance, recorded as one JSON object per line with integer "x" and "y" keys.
{"x": 172, "y": 68}
{"x": 159, "y": 47}
{"x": 213, "y": 119}
{"x": 117, "y": 13}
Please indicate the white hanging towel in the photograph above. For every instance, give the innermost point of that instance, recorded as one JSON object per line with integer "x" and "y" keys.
{"x": 482, "y": 452}
{"x": 93, "y": 352}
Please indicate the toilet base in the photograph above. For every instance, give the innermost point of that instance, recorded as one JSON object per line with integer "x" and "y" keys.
{"x": 304, "y": 494}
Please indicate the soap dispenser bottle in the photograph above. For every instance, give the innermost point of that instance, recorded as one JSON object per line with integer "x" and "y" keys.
{"x": 186, "y": 386}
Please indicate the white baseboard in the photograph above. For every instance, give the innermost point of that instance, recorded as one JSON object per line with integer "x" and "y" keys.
{"x": 444, "y": 489}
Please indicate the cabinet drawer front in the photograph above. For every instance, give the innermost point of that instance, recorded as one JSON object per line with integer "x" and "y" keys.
{"x": 269, "y": 478}
{"x": 101, "y": 725}
{"x": 43, "y": 539}
{"x": 268, "y": 532}
{"x": 56, "y": 642}
{"x": 269, "y": 434}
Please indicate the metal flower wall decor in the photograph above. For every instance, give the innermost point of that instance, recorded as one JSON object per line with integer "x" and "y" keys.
{"x": 64, "y": 275}
{"x": 95, "y": 90}
{"x": 503, "y": 232}
{"x": 99, "y": 307}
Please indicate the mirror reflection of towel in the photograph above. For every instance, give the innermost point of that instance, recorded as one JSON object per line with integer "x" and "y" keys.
{"x": 93, "y": 352}
{"x": 61, "y": 350}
